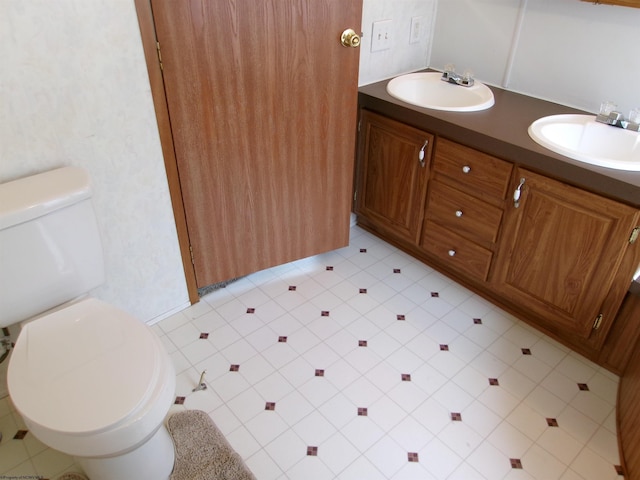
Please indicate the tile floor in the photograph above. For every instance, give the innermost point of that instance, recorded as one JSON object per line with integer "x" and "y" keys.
{"x": 364, "y": 363}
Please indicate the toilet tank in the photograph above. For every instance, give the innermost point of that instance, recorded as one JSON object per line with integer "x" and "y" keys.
{"x": 50, "y": 249}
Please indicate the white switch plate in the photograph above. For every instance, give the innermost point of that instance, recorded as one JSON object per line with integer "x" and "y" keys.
{"x": 381, "y": 38}
{"x": 417, "y": 25}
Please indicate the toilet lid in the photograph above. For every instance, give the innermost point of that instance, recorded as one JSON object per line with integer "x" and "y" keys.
{"x": 84, "y": 368}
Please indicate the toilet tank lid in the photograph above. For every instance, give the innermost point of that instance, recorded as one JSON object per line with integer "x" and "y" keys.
{"x": 30, "y": 197}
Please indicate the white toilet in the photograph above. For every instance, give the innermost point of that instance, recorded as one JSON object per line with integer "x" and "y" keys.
{"x": 88, "y": 379}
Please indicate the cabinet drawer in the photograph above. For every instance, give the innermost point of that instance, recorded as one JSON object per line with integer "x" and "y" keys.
{"x": 456, "y": 252}
{"x": 487, "y": 175}
{"x": 463, "y": 213}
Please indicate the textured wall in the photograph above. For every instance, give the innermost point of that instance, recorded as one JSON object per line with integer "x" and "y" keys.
{"x": 403, "y": 57}
{"x": 74, "y": 91}
{"x": 567, "y": 51}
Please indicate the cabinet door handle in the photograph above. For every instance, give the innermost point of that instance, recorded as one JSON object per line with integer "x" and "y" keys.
{"x": 518, "y": 193}
{"x": 466, "y": 169}
{"x": 452, "y": 253}
{"x": 421, "y": 153}
{"x": 459, "y": 213}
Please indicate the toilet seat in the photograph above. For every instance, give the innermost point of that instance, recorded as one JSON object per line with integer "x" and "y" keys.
{"x": 104, "y": 376}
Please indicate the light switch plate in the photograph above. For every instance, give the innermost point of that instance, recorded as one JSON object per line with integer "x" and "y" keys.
{"x": 381, "y": 38}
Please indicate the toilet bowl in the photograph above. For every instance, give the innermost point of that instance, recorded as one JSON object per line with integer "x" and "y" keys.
{"x": 88, "y": 379}
{"x": 94, "y": 382}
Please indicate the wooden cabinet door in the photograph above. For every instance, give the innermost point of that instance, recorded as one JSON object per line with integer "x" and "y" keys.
{"x": 393, "y": 168}
{"x": 262, "y": 100}
{"x": 562, "y": 253}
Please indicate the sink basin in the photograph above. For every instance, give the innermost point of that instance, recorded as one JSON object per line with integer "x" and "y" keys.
{"x": 425, "y": 89}
{"x": 582, "y": 138}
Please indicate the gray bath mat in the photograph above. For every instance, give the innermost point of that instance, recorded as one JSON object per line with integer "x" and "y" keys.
{"x": 202, "y": 452}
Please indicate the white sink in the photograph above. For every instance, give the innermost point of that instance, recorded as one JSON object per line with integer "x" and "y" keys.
{"x": 425, "y": 89}
{"x": 582, "y": 138}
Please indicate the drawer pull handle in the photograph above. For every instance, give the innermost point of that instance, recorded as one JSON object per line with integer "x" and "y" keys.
{"x": 421, "y": 153}
{"x": 459, "y": 213}
{"x": 452, "y": 253}
{"x": 518, "y": 193}
{"x": 466, "y": 169}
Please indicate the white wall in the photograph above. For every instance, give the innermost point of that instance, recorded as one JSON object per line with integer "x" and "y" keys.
{"x": 567, "y": 51}
{"x": 403, "y": 56}
{"x": 74, "y": 91}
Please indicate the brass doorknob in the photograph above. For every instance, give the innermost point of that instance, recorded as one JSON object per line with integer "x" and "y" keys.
{"x": 350, "y": 38}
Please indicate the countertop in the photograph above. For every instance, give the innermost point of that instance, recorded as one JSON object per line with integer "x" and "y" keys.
{"x": 502, "y": 131}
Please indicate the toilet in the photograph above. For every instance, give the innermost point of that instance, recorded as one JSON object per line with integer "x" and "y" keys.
{"x": 88, "y": 379}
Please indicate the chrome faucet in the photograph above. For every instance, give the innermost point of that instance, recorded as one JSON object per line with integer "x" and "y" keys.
{"x": 610, "y": 116}
{"x": 449, "y": 75}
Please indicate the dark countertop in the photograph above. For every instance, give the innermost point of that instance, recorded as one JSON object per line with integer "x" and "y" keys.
{"x": 502, "y": 131}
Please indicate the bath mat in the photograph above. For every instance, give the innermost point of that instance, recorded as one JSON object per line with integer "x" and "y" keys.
{"x": 72, "y": 476}
{"x": 202, "y": 452}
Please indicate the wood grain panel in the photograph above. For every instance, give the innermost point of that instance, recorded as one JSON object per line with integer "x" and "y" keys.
{"x": 477, "y": 220}
{"x": 263, "y": 99}
{"x": 469, "y": 258}
{"x": 392, "y": 182}
{"x": 488, "y": 176}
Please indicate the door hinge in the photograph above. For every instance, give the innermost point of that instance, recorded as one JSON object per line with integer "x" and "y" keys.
{"x": 159, "y": 56}
{"x": 193, "y": 262}
{"x": 635, "y": 233}
{"x": 597, "y": 322}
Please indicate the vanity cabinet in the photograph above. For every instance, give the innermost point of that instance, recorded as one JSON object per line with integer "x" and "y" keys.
{"x": 557, "y": 256}
{"x": 391, "y": 183}
{"x": 561, "y": 256}
{"x": 464, "y": 208}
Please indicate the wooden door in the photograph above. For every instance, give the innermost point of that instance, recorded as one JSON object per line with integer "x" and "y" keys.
{"x": 262, "y": 100}
{"x": 393, "y": 164}
{"x": 563, "y": 252}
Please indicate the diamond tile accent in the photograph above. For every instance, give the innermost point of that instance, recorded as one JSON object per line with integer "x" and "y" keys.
{"x": 270, "y": 406}
{"x": 397, "y": 270}
{"x": 362, "y": 343}
{"x": 363, "y": 250}
{"x": 292, "y": 288}
{"x": 435, "y": 294}
{"x": 526, "y": 351}
{"x": 319, "y": 373}
{"x": 20, "y": 434}
{"x": 583, "y": 387}
{"x": 494, "y": 382}
{"x": 251, "y": 310}
{"x": 477, "y": 321}
{"x": 406, "y": 377}
{"x": 400, "y": 317}
{"x": 515, "y": 463}
{"x": 180, "y": 400}
{"x": 282, "y": 339}
{"x": 234, "y": 368}
{"x": 329, "y": 268}
{"x": 552, "y": 422}
{"x": 312, "y": 451}
{"x": 363, "y": 290}
{"x": 362, "y": 412}
{"x": 412, "y": 457}
{"x": 444, "y": 348}
{"x": 324, "y": 313}
{"x": 456, "y": 417}
{"x": 204, "y": 336}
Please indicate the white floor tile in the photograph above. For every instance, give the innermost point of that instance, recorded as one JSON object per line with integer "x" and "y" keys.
{"x": 273, "y": 398}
